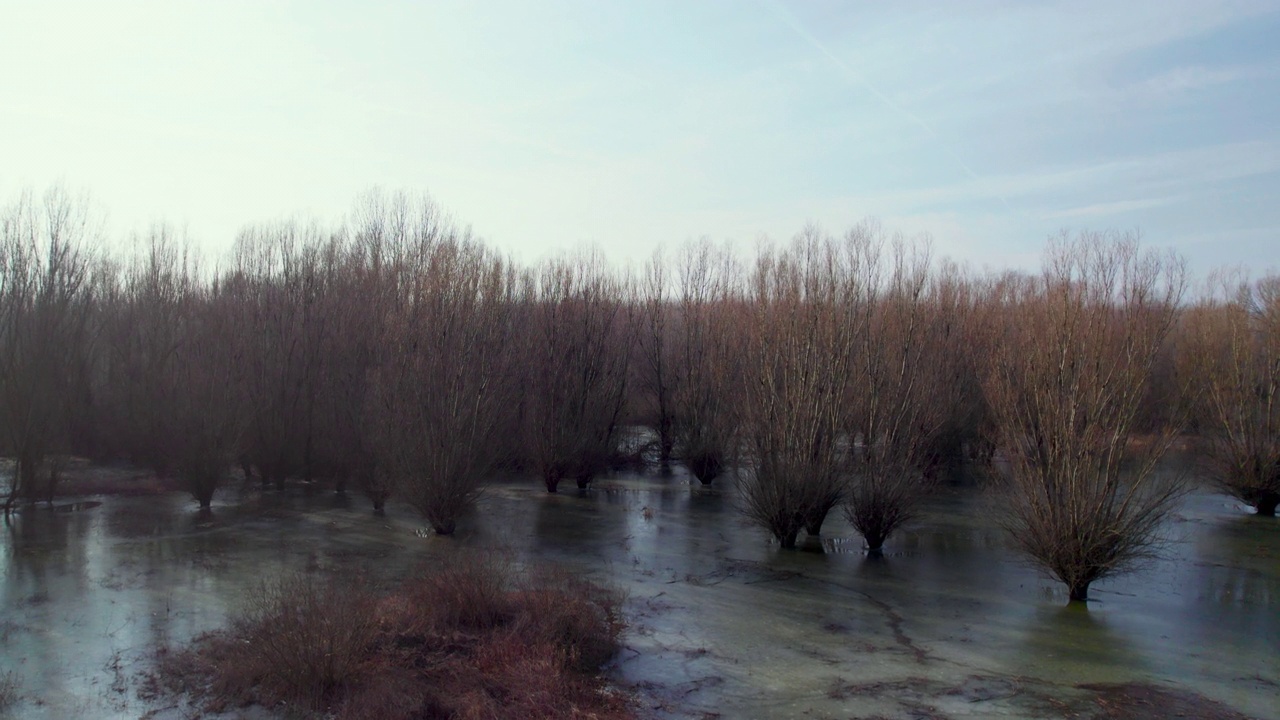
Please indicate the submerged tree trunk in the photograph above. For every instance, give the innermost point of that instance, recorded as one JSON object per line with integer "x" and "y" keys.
{"x": 1266, "y": 505}
{"x": 666, "y": 442}
{"x": 813, "y": 523}
{"x": 1079, "y": 592}
{"x": 706, "y": 467}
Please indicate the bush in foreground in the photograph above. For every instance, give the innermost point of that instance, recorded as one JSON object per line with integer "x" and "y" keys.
{"x": 471, "y": 639}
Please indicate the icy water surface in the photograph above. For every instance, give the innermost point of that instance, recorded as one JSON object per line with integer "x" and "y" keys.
{"x": 949, "y": 624}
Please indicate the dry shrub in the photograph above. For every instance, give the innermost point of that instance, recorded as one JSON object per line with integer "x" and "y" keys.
{"x": 472, "y": 638}
{"x": 470, "y": 594}
{"x": 577, "y": 617}
{"x": 298, "y": 640}
{"x": 308, "y": 638}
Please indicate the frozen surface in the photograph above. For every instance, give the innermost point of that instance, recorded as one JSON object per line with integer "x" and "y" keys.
{"x": 949, "y": 624}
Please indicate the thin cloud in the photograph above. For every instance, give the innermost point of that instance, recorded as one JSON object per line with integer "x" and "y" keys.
{"x": 1098, "y": 210}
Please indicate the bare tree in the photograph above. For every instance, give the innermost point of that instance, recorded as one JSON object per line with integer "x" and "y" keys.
{"x": 439, "y": 396}
{"x": 202, "y": 403}
{"x": 578, "y": 326}
{"x": 1068, "y": 381}
{"x": 1232, "y": 348}
{"x": 280, "y": 279}
{"x": 797, "y": 366}
{"x": 898, "y": 398}
{"x": 147, "y": 322}
{"x": 44, "y": 310}
{"x": 657, "y": 369}
{"x": 708, "y": 368}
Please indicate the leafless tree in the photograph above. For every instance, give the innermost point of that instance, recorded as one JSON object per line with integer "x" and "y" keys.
{"x": 44, "y": 311}
{"x": 279, "y": 280}
{"x": 144, "y": 328}
{"x": 959, "y": 350}
{"x": 796, "y": 366}
{"x": 439, "y": 395}
{"x": 202, "y": 402}
{"x": 1069, "y": 376}
{"x": 575, "y": 345}
{"x": 708, "y": 350}
{"x": 1232, "y": 348}
{"x": 898, "y": 398}
{"x": 657, "y": 368}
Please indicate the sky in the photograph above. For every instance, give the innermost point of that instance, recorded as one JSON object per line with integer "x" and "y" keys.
{"x": 990, "y": 125}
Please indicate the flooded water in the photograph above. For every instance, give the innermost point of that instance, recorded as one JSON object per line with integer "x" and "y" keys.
{"x": 950, "y": 623}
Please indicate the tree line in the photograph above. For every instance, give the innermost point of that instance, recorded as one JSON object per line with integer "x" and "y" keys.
{"x": 400, "y": 355}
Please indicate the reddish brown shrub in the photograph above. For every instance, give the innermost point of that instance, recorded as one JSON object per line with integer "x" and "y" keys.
{"x": 469, "y": 639}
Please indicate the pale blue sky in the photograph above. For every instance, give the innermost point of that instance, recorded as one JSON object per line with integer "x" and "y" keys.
{"x": 545, "y": 125}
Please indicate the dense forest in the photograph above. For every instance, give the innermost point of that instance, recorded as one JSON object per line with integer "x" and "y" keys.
{"x": 398, "y": 355}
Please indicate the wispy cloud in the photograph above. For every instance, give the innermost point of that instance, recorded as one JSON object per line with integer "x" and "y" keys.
{"x": 1103, "y": 210}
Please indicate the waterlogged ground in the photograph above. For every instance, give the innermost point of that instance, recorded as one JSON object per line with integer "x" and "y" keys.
{"x": 949, "y": 624}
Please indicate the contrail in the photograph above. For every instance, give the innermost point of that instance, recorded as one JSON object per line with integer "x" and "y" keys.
{"x": 858, "y": 77}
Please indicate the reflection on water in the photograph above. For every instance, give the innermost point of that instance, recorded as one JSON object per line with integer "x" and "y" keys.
{"x": 722, "y": 621}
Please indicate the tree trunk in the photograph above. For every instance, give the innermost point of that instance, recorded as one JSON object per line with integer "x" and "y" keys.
{"x": 875, "y": 544}
{"x": 788, "y": 539}
{"x": 666, "y": 444}
{"x": 706, "y": 467}
{"x": 1079, "y": 592}
{"x": 1267, "y": 505}
{"x": 813, "y": 522}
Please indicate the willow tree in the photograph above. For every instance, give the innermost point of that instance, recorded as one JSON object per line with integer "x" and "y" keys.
{"x": 796, "y": 368}
{"x": 901, "y": 384}
{"x": 45, "y": 309}
{"x": 202, "y": 401}
{"x": 440, "y": 393}
{"x": 1232, "y": 348}
{"x": 1069, "y": 377}
{"x": 707, "y": 349}
{"x": 657, "y": 368}
{"x": 575, "y": 351}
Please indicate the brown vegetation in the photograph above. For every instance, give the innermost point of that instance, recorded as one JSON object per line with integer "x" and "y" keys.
{"x": 45, "y": 308}
{"x": 397, "y": 353}
{"x": 469, "y": 639}
{"x": 708, "y": 351}
{"x": 1069, "y": 377}
{"x": 657, "y": 367}
{"x": 796, "y": 374}
{"x": 439, "y": 394}
{"x": 575, "y": 359}
{"x": 897, "y": 397}
{"x": 1233, "y": 351}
